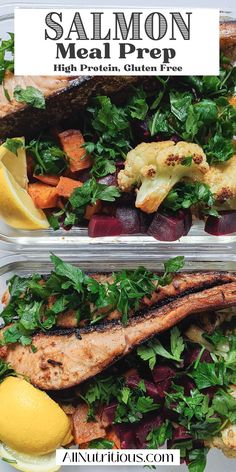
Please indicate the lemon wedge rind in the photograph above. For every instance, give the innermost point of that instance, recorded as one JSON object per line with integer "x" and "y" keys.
{"x": 27, "y": 463}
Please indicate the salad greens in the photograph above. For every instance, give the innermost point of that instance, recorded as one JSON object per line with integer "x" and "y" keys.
{"x": 68, "y": 287}
{"x": 201, "y": 411}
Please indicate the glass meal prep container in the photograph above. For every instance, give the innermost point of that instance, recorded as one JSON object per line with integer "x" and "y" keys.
{"x": 24, "y": 265}
{"x": 77, "y": 238}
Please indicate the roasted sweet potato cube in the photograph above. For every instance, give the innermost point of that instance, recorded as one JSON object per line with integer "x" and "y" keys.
{"x": 72, "y": 144}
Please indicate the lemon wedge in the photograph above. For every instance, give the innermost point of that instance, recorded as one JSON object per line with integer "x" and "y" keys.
{"x": 30, "y": 421}
{"x": 17, "y": 208}
{"x": 27, "y": 463}
{"x": 15, "y": 164}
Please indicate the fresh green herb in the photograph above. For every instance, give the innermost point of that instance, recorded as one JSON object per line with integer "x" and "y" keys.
{"x": 101, "y": 444}
{"x": 154, "y": 348}
{"x": 13, "y": 145}
{"x": 89, "y": 193}
{"x": 187, "y": 194}
{"x": 196, "y": 109}
{"x": 30, "y": 95}
{"x": 210, "y": 374}
{"x": 196, "y": 414}
{"x": 158, "y": 436}
{"x": 219, "y": 149}
{"x": 112, "y": 128}
{"x": 6, "y": 50}
{"x": 5, "y": 370}
{"x": 101, "y": 391}
{"x": 48, "y": 157}
{"x": 225, "y": 405}
{"x": 132, "y": 405}
{"x": 197, "y": 459}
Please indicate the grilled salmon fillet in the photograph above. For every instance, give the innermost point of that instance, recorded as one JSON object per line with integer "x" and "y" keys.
{"x": 65, "y": 358}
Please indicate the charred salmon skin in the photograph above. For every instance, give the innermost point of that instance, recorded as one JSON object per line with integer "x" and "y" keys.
{"x": 65, "y": 358}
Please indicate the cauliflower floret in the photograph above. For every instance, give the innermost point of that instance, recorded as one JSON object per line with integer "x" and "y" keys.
{"x": 142, "y": 156}
{"x": 158, "y": 167}
{"x": 221, "y": 179}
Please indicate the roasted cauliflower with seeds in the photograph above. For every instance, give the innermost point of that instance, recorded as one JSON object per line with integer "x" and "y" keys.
{"x": 221, "y": 179}
{"x": 154, "y": 168}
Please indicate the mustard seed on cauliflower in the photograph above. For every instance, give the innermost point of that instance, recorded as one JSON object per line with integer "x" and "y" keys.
{"x": 154, "y": 168}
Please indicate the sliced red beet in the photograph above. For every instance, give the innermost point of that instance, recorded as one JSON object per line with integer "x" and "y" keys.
{"x": 162, "y": 372}
{"x": 102, "y": 225}
{"x": 226, "y": 224}
{"x": 109, "y": 180}
{"x": 187, "y": 383}
{"x": 129, "y": 219}
{"x": 126, "y": 434}
{"x": 151, "y": 389}
{"x": 192, "y": 354}
{"x": 180, "y": 433}
{"x": 109, "y": 413}
{"x": 188, "y": 220}
{"x": 169, "y": 228}
{"x": 145, "y": 221}
{"x": 83, "y": 175}
{"x": 144, "y": 427}
{"x": 140, "y": 130}
{"x": 119, "y": 165}
{"x": 163, "y": 387}
{"x": 210, "y": 391}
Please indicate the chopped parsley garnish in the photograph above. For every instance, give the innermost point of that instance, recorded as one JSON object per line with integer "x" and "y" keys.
{"x": 101, "y": 444}
{"x": 6, "y": 56}
{"x": 5, "y": 370}
{"x": 70, "y": 288}
{"x": 153, "y": 349}
{"x": 48, "y": 156}
{"x": 132, "y": 405}
{"x": 187, "y": 194}
{"x": 30, "y": 95}
{"x": 158, "y": 436}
